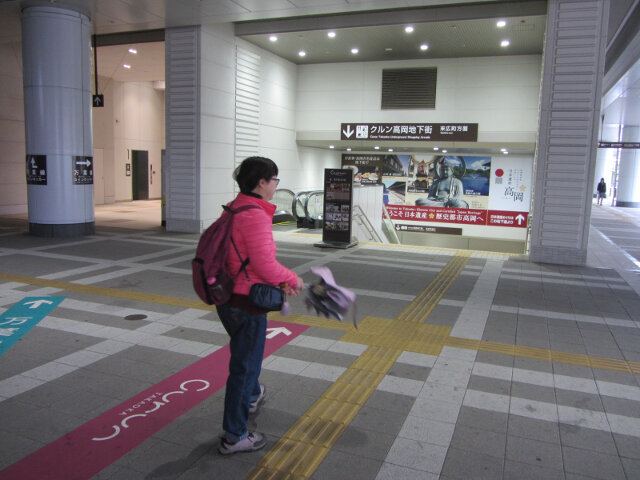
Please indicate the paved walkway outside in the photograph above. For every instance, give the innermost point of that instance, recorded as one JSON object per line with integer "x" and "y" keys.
{"x": 466, "y": 365}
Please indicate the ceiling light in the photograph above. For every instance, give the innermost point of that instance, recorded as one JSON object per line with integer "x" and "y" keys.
{"x": 444, "y": 151}
{"x": 408, "y": 29}
{"x": 391, "y": 149}
{"x": 133, "y": 50}
{"x": 503, "y": 149}
{"x": 376, "y": 147}
{"x": 331, "y": 146}
{"x": 505, "y": 152}
{"x": 501, "y": 23}
{"x": 348, "y": 149}
{"x": 273, "y": 38}
{"x": 331, "y": 34}
{"x": 424, "y": 47}
{"x": 388, "y": 49}
{"x": 354, "y": 50}
{"x": 504, "y": 43}
{"x": 126, "y": 66}
{"x": 436, "y": 148}
{"x": 302, "y": 53}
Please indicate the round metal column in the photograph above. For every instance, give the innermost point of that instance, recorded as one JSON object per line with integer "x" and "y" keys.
{"x": 56, "y": 56}
{"x": 628, "y": 193}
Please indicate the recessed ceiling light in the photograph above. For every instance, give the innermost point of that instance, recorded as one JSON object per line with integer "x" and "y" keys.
{"x": 424, "y": 47}
{"x": 391, "y": 149}
{"x": 408, "y": 29}
{"x": 436, "y": 148}
{"x": 331, "y": 34}
{"x": 505, "y": 152}
{"x": 376, "y": 147}
{"x": 126, "y": 65}
{"x": 133, "y": 50}
{"x": 273, "y": 38}
{"x": 331, "y": 146}
{"x": 388, "y": 49}
{"x": 302, "y": 53}
{"x": 348, "y": 149}
{"x": 503, "y": 149}
{"x": 504, "y": 43}
{"x": 444, "y": 151}
{"x": 354, "y": 50}
{"x": 501, "y": 23}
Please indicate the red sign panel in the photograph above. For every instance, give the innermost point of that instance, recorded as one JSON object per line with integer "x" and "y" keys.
{"x": 465, "y": 216}
{"x": 507, "y": 219}
{"x": 438, "y": 214}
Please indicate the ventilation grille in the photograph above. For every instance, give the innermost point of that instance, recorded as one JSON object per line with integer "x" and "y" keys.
{"x": 409, "y": 88}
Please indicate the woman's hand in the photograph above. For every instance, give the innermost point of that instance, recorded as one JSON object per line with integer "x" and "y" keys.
{"x": 293, "y": 291}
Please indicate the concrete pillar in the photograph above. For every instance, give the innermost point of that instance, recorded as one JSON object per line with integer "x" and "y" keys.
{"x": 573, "y": 66}
{"x": 628, "y": 194}
{"x": 57, "y": 104}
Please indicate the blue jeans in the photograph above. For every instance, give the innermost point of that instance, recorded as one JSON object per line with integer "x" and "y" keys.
{"x": 248, "y": 333}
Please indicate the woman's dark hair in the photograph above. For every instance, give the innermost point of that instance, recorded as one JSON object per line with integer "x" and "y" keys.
{"x": 251, "y": 170}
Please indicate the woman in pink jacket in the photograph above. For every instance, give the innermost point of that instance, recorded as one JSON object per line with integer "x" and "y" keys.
{"x": 247, "y": 325}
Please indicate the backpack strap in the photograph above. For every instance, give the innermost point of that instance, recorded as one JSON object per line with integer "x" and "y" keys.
{"x": 231, "y": 211}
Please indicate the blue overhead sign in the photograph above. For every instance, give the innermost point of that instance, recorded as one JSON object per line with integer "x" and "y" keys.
{"x": 22, "y": 317}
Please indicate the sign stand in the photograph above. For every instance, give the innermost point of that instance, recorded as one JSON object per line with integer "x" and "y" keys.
{"x": 337, "y": 210}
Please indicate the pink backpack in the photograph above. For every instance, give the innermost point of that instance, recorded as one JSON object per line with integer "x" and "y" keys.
{"x": 212, "y": 280}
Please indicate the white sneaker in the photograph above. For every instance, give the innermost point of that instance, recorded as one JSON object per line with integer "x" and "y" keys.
{"x": 255, "y": 441}
{"x": 253, "y": 406}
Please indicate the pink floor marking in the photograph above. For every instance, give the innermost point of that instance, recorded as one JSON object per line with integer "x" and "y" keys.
{"x": 84, "y": 452}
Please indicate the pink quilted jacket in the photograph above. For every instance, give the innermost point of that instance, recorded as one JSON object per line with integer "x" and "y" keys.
{"x": 253, "y": 235}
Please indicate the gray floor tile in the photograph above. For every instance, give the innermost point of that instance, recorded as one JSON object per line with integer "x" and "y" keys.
{"x": 621, "y": 406}
{"x": 579, "y": 400}
{"x": 533, "y": 429}
{"x": 412, "y": 372}
{"x": 627, "y": 446}
{"x": 464, "y": 465}
{"x": 533, "y": 392}
{"x": 483, "y": 419}
{"x": 341, "y": 466}
{"x": 631, "y": 467}
{"x": 479, "y": 440}
{"x": 383, "y": 421}
{"x": 364, "y": 443}
{"x": 390, "y": 401}
{"x": 593, "y": 464}
{"x": 489, "y": 385}
{"x": 587, "y": 439}
{"x": 525, "y": 471}
{"x": 534, "y": 452}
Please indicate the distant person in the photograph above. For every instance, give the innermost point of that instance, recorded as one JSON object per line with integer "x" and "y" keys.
{"x": 602, "y": 191}
{"x": 446, "y": 191}
{"x": 252, "y": 234}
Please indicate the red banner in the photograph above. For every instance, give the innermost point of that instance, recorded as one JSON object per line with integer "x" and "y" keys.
{"x": 438, "y": 214}
{"x": 465, "y": 216}
{"x": 507, "y": 219}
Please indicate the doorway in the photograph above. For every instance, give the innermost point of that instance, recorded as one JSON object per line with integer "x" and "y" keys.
{"x": 140, "y": 174}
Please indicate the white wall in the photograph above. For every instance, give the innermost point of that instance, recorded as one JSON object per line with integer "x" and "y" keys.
{"x": 499, "y": 93}
{"x": 13, "y": 183}
{"x": 132, "y": 119}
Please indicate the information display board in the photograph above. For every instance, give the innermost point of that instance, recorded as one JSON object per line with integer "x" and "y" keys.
{"x": 338, "y": 200}
{"x": 36, "y": 169}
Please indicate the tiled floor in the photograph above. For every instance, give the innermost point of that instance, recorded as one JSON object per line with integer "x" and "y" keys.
{"x": 464, "y": 366}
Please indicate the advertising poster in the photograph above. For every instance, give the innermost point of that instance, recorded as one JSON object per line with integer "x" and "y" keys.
{"x": 367, "y": 169}
{"x": 338, "y": 195}
{"x": 468, "y": 190}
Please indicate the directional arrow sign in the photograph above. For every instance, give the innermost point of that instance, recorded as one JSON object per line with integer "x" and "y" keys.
{"x": 18, "y": 320}
{"x": 98, "y": 100}
{"x": 36, "y": 303}
{"x": 520, "y": 219}
{"x": 87, "y": 163}
{"x": 348, "y": 132}
{"x": 272, "y": 332}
